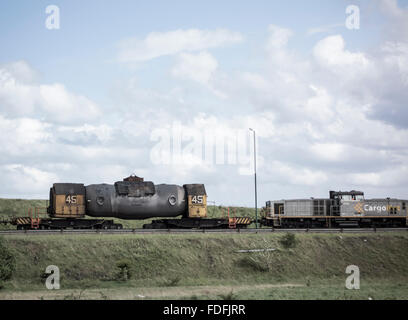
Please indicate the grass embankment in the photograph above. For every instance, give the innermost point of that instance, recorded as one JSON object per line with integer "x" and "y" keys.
{"x": 208, "y": 266}
{"x": 19, "y": 208}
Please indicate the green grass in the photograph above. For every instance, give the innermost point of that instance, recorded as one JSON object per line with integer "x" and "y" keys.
{"x": 208, "y": 266}
{"x": 371, "y": 290}
{"x": 19, "y": 207}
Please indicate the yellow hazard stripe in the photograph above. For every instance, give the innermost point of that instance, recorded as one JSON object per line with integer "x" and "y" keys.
{"x": 243, "y": 220}
{"x": 23, "y": 220}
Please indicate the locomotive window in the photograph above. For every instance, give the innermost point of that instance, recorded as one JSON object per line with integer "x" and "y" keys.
{"x": 279, "y": 208}
{"x": 403, "y": 206}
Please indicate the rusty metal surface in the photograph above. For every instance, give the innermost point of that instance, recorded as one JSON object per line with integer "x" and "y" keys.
{"x": 195, "y": 189}
{"x": 134, "y": 178}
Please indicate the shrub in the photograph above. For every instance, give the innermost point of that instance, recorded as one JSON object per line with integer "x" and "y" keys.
{"x": 255, "y": 263}
{"x": 288, "y": 240}
{"x": 125, "y": 270}
{"x": 7, "y": 262}
{"x": 228, "y": 296}
{"x": 173, "y": 281}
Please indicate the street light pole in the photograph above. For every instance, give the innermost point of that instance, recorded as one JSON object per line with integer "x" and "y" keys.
{"x": 256, "y": 195}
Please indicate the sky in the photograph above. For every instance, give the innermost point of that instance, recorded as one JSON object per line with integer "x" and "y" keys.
{"x": 167, "y": 90}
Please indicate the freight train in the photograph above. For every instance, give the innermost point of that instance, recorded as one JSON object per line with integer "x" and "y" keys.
{"x": 340, "y": 210}
{"x": 74, "y": 205}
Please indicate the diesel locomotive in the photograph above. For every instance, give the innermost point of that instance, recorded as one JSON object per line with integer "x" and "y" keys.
{"x": 342, "y": 210}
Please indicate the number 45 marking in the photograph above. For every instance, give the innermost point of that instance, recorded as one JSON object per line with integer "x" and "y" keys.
{"x": 71, "y": 199}
{"x": 197, "y": 199}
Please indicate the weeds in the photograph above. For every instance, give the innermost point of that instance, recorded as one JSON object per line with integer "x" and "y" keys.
{"x": 254, "y": 263}
{"x": 125, "y": 270}
{"x": 103, "y": 296}
{"x": 228, "y": 296}
{"x": 288, "y": 241}
{"x": 7, "y": 262}
{"x": 72, "y": 296}
{"x": 172, "y": 282}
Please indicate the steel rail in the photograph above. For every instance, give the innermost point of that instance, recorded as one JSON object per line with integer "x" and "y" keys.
{"x": 199, "y": 231}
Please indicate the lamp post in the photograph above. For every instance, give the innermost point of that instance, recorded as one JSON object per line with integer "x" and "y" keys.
{"x": 256, "y": 195}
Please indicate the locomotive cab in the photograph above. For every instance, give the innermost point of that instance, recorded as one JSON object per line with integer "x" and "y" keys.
{"x": 345, "y": 203}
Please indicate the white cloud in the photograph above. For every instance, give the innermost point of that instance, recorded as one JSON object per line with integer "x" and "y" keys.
{"x": 324, "y": 29}
{"x": 21, "y": 70}
{"x": 85, "y": 134}
{"x": 396, "y": 58}
{"x": 320, "y": 106}
{"x": 330, "y": 151}
{"x": 26, "y": 180}
{"x": 389, "y": 177}
{"x": 396, "y": 27}
{"x": 20, "y": 96}
{"x": 23, "y": 136}
{"x": 157, "y": 44}
{"x": 331, "y": 52}
{"x": 199, "y": 67}
{"x": 278, "y": 37}
{"x": 295, "y": 175}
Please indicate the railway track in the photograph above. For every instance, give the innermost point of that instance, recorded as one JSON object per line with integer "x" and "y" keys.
{"x": 199, "y": 231}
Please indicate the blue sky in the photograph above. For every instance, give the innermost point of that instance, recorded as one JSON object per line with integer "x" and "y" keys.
{"x": 82, "y": 52}
{"x": 77, "y": 110}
